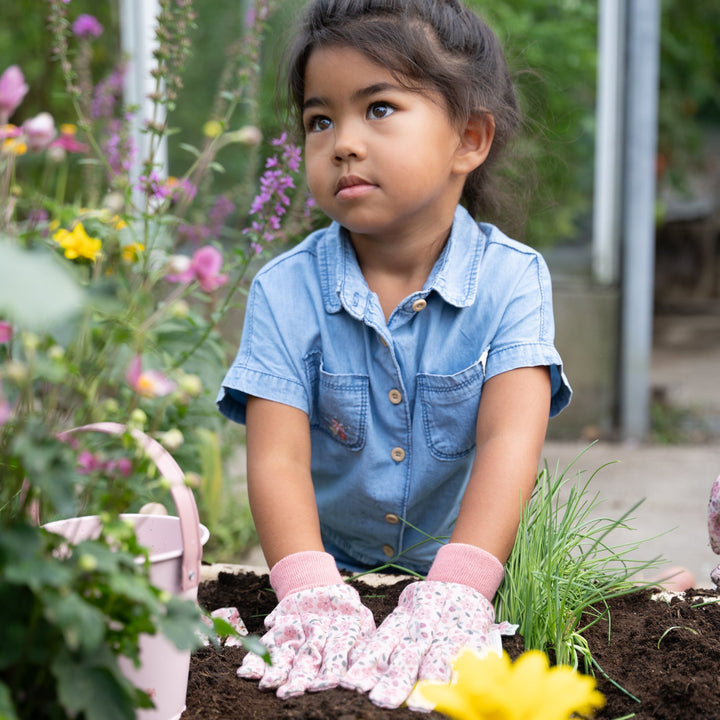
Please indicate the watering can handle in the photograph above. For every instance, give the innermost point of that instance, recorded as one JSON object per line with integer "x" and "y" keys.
{"x": 182, "y": 495}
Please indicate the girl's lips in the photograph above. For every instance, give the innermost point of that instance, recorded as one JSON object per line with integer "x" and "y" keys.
{"x": 352, "y": 186}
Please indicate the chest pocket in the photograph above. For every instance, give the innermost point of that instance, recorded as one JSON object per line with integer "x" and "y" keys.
{"x": 449, "y": 410}
{"x": 342, "y": 407}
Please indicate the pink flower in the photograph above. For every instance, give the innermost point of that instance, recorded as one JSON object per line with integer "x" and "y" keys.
{"x": 5, "y": 331}
{"x": 39, "y": 131}
{"x": 121, "y": 466}
{"x": 87, "y": 26}
{"x": 89, "y": 462}
{"x": 5, "y": 409}
{"x": 148, "y": 383}
{"x": 204, "y": 267}
{"x": 67, "y": 140}
{"x": 12, "y": 91}
{"x": 9, "y": 131}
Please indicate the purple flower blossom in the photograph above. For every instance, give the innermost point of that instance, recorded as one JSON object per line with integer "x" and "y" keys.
{"x": 272, "y": 202}
{"x": 87, "y": 26}
{"x": 12, "y": 91}
{"x": 118, "y": 147}
{"x": 107, "y": 93}
{"x": 219, "y": 212}
{"x": 153, "y": 186}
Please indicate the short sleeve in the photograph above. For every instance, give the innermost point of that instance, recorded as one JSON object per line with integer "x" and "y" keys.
{"x": 526, "y": 332}
{"x": 267, "y": 365}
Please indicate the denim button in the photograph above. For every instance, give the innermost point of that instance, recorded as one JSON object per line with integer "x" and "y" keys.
{"x": 392, "y": 518}
{"x": 419, "y": 305}
{"x": 395, "y": 396}
{"x": 397, "y": 454}
{"x": 388, "y": 550}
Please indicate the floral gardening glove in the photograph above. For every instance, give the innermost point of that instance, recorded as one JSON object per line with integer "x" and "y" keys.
{"x": 312, "y": 630}
{"x": 433, "y": 622}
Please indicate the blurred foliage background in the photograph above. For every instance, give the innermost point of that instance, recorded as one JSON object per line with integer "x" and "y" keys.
{"x": 551, "y": 48}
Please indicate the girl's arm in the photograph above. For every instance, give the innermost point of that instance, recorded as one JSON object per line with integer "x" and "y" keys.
{"x": 280, "y": 489}
{"x": 512, "y": 421}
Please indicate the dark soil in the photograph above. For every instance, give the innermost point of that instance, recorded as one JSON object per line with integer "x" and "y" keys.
{"x": 666, "y": 654}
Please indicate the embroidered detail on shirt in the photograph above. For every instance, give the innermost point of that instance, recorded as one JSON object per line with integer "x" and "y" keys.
{"x": 337, "y": 429}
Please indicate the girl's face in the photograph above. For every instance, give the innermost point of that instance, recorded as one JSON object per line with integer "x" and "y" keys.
{"x": 382, "y": 160}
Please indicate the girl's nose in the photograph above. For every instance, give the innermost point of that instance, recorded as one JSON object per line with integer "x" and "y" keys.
{"x": 348, "y": 144}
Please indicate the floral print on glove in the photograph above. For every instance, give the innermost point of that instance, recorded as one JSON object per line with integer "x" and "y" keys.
{"x": 309, "y": 636}
{"x": 419, "y": 640}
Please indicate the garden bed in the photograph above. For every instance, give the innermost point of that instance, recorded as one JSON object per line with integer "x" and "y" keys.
{"x": 665, "y": 652}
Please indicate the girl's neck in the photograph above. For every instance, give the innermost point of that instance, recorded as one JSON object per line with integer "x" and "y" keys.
{"x": 395, "y": 268}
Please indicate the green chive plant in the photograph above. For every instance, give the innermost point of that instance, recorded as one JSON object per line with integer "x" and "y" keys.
{"x": 564, "y": 567}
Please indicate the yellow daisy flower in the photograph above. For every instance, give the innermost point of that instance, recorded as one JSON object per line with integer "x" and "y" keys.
{"x": 493, "y": 688}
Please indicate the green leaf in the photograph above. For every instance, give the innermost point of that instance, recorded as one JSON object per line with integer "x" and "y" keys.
{"x": 82, "y": 624}
{"x": 93, "y": 687}
{"x": 182, "y": 624}
{"x": 252, "y": 644}
{"x": 189, "y": 148}
{"x": 36, "y": 291}
{"x": 7, "y": 707}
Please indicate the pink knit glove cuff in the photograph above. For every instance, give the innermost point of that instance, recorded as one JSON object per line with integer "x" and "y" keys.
{"x": 468, "y": 565}
{"x": 302, "y": 571}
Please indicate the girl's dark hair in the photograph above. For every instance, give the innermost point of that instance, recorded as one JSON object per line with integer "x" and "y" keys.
{"x": 425, "y": 43}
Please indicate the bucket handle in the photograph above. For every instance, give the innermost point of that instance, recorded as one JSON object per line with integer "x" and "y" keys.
{"x": 182, "y": 495}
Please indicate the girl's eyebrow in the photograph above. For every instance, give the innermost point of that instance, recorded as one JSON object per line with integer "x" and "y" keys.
{"x": 370, "y": 90}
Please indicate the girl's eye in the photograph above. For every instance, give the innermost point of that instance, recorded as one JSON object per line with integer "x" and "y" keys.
{"x": 379, "y": 110}
{"x": 318, "y": 123}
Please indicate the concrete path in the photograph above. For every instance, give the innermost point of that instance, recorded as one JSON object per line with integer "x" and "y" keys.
{"x": 674, "y": 483}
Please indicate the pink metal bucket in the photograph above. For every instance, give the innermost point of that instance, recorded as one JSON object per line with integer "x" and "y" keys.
{"x": 174, "y": 546}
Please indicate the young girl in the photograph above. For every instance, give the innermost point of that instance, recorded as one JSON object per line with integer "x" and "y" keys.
{"x": 397, "y": 369}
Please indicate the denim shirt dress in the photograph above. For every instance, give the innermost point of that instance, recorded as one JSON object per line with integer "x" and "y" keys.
{"x": 392, "y": 405}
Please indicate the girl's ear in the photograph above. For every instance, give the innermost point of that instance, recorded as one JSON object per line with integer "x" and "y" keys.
{"x": 475, "y": 143}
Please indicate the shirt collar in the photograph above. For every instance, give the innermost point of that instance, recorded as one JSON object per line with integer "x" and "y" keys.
{"x": 454, "y": 276}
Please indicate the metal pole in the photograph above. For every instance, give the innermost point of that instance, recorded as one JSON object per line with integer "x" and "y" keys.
{"x": 608, "y": 142}
{"x": 137, "y": 31}
{"x": 638, "y": 225}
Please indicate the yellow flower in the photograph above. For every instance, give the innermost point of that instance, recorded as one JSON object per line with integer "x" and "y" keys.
{"x": 14, "y": 146}
{"x": 118, "y": 223}
{"x": 130, "y": 252}
{"x": 493, "y": 688}
{"x": 77, "y": 244}
{"x": 68, "y": 129}
{"x": 212, "y": 129}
